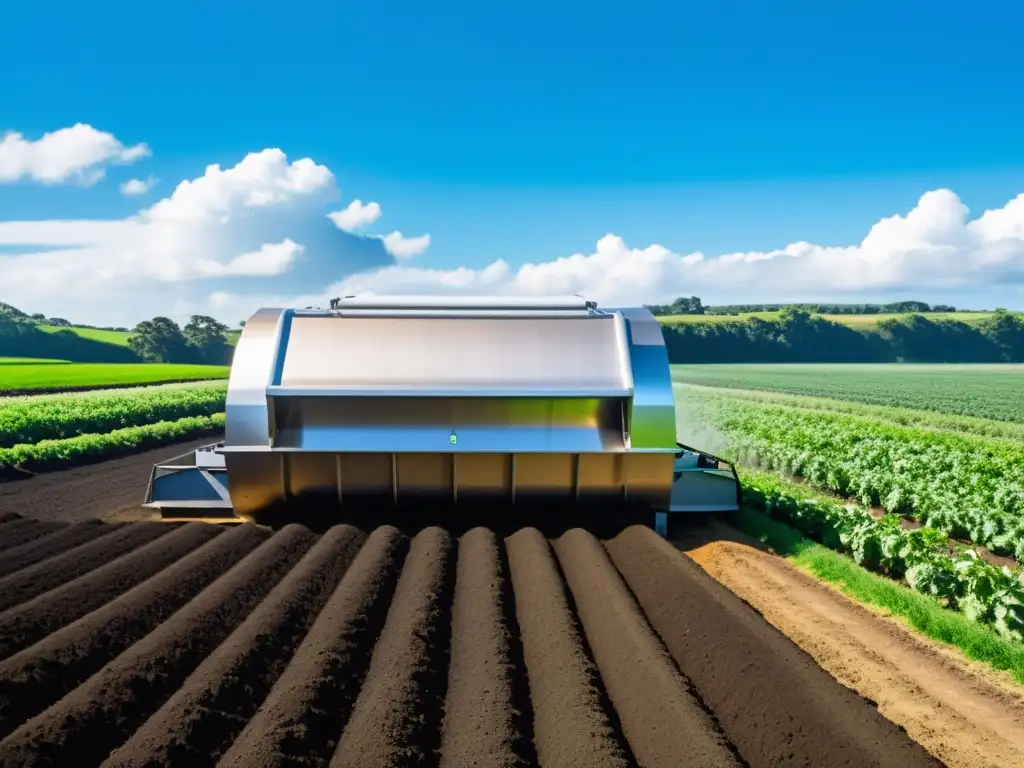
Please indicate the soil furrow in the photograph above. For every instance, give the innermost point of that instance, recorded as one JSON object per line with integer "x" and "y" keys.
{"x": 22, "y": 530}
{"x": 302, "y": 717}
{"x": 37, "y": 579}
{"x": 664, "y": 724}
{"x": 34, "y": 678}
{"x": 27, "y": 623}
{"x": 396, "y": 720}
{"x": 570, "y": 726}
{"x": 99, "y": 715}
{"x": 774, "y": 703}
{"x": 482, "y": 723}
{"x": 199, "y": 722}
{"x": 53, "y": 544}
{"x": 8, "y": 517}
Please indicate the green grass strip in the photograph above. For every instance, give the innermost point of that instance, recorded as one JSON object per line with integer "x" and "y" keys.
{"x": 975, "y": 641}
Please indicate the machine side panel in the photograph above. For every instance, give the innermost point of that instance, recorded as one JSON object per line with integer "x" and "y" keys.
{"x": 252, "y": 370}
{"x": 653, "y": 414}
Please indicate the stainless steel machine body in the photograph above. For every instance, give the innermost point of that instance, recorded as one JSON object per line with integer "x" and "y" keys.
{"x": 453, "y": 399}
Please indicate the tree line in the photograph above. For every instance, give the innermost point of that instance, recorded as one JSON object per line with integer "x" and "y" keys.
{"x": 797, "y": 334}
{"x": 160, "y": 340}
{"x": 692, "y": 305}
{"x": 800, "y": 336}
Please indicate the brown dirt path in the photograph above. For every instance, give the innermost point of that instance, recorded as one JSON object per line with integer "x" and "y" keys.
{"x": 965, "y": 714}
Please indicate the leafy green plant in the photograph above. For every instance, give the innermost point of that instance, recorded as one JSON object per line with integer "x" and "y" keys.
{"x": 56, "y": 417}
{"x": 924, "y": 558}
{"x": 53, "y": 454}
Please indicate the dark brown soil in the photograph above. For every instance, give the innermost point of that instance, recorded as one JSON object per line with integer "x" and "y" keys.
{"x": 36, "y": 677}
{"x": 572, "y": 726}
{"x": 305, "y": 713}
{"x": 199, "y": 722}
{"x": 485, "y": 714}
{"x": 103, "y": 712}
{"x": 260, "y": 648}
{"x": 396, "y": 718}
{"x": 774, "y": 703}
{"x": 20, "y": 530}
{"x": 62, "y": 540}
{"x": 32, "y": 620}
{"x": 87, "y": 492}
{"x": 663, "y": 722}
{"x": 37, "y": 579}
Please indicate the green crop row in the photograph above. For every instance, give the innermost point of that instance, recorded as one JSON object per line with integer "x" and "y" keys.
{"x": 907, "y": 417}
{"x": 924, "y": 558}
{"x": 83, "y": 449}
{"x": 57, "y": 417}
{"x": 967, "y": 486}
{"x": 987, "y": 391}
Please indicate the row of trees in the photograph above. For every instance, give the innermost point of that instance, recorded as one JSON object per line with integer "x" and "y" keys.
{"x": 798, "y": 335}
{"x": 202, "y": 340}
{"x": 692, "y": 305}
{"x": 160, "y": 340}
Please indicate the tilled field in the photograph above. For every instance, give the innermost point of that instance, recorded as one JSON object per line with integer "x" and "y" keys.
{"x": 147, "y": 644}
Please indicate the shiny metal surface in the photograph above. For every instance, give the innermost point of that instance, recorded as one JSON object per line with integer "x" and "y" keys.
{"x": 252, "y": 371}
{"x": 464, "y": 303}
{"x": 456, "y": 355}
{"x": 411, "y": 398}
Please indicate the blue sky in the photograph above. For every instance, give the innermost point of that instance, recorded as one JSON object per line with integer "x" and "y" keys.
{"x": 526, "y": 134}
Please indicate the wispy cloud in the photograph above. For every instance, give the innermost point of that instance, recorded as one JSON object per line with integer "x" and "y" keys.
{"x": 136, "y": 187}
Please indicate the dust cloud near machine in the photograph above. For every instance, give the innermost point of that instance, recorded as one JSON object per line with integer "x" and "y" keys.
{"x": 478, "y": 403}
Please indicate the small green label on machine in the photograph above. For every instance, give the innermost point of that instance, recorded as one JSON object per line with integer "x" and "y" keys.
{"x": 452, "y": 438}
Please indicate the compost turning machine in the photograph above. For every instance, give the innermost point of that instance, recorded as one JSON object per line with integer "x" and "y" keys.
{"x": 388, "y": 400}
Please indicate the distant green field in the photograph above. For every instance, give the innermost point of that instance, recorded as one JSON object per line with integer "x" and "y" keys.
{"x": 30, "y": 361}
{"x": 118, "y": 338}
{"x": 987, "y": 391}
{"x": 57, "y": 375}
{"x": 854, "y": 321}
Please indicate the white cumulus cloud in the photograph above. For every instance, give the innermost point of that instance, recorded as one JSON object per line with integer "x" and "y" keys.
{"x": 402, "y": 247}
{"x": 78, "y": 153}
{"x": 933, "y": 247}
{"x": 192, "y": 234}
{"x": 136, "y": 187}
{"x": 355, "y": 216}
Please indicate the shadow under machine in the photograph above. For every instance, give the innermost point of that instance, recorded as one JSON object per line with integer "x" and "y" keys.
{"x": 453, "y": 401}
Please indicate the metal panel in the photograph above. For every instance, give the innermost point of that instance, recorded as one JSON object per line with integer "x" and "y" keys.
{"x": 252, "y": 368}
{"x": 460, "y": 355}
{"x": 450, "y": 425}
{"x": 653, "y": 411}
{"x": 705, "y": 491}
{"x": 464, "y": 303}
